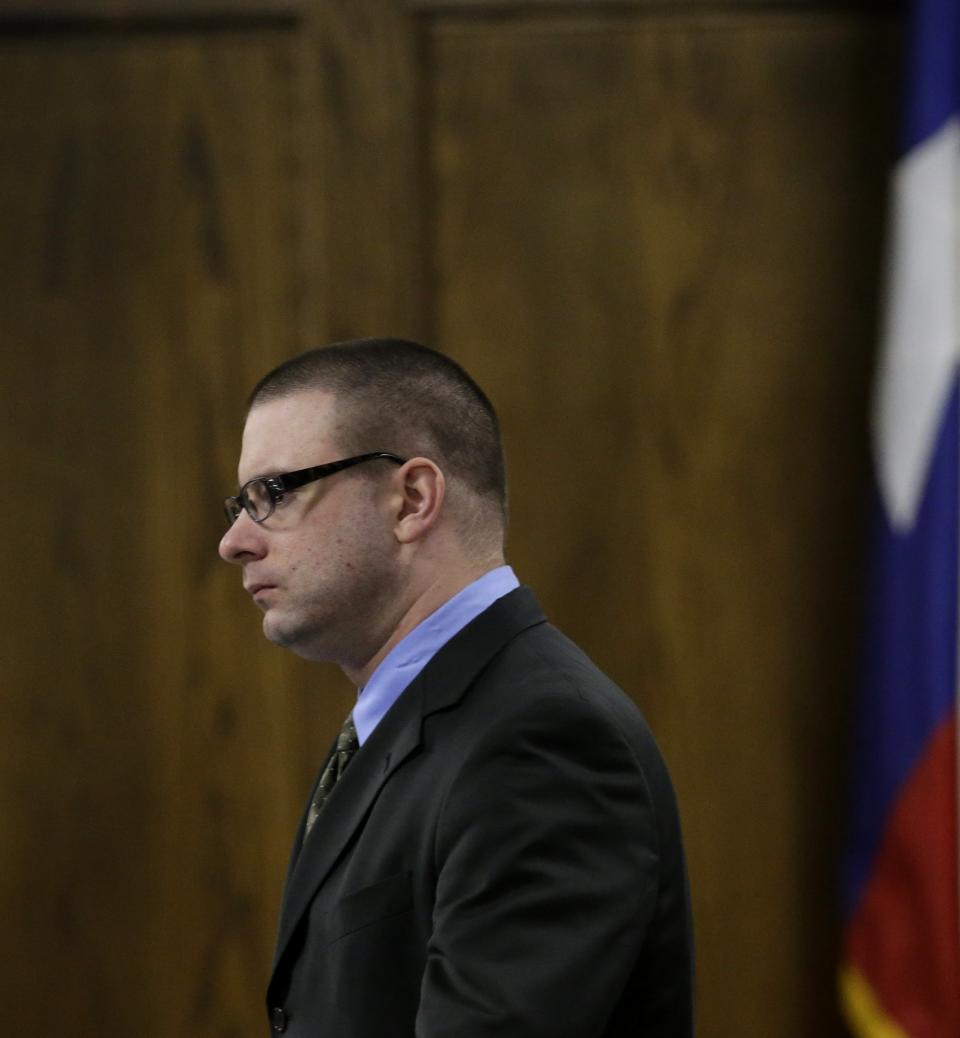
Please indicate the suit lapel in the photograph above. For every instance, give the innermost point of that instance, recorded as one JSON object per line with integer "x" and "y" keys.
{"x": 441, "y": 684}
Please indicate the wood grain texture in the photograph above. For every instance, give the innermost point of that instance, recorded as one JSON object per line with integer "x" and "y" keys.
{"x": 653, "y": 237}
{"x": 646, "y": 7}
{"x": 154, "y": 757}
{"x": 656, "y": 245}
{"x": 127, "y": 14}
{"x": 372, "y": 278}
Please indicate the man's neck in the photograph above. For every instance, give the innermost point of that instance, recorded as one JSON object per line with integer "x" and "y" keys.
{"x": 431, "y": 596}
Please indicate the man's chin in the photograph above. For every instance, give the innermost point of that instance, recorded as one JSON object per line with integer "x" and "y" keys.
{"x": 295, "y": 639}
{"x": 276, "y": 631}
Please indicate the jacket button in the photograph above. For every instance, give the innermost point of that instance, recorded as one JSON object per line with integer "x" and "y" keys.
{"x": 278, "y": 1020}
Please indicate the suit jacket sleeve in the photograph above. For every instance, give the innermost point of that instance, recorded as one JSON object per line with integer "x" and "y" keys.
{"x": 547, "y": 858}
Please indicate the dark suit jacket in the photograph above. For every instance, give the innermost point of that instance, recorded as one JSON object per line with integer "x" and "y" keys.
{"x": 502, "y": 857}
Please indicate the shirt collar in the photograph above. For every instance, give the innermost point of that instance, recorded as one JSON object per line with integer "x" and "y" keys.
{"x": 413, "y": 652}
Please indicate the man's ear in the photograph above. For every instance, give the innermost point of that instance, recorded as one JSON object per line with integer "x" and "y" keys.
{"x": 422, "y": 489}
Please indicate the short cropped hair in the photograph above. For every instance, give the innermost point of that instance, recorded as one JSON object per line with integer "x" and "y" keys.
{"x": 399, "y": 396}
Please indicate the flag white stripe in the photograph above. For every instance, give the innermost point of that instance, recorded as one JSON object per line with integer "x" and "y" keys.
{"x": 919, "y": 347}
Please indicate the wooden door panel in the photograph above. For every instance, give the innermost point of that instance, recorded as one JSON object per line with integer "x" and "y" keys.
{"x": 656, "y": 242}
{"x": 152, "y": 764}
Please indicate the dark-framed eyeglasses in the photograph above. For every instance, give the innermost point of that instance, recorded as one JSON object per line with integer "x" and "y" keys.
{"x": 259, "y": 497}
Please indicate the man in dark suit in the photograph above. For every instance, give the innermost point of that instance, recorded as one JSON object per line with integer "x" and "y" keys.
{"x": 492, "y": 847}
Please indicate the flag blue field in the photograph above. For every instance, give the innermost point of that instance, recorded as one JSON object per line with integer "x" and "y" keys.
{"x": 900, "y": 975}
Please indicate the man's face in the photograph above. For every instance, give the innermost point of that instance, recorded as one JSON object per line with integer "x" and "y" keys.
{"x": 324, "y": 567}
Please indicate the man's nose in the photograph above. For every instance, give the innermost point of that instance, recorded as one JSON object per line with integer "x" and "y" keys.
{"x": 242, "y": 541}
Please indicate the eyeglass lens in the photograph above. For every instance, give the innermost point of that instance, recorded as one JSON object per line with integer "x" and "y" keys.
{"x": 257, "y": 499}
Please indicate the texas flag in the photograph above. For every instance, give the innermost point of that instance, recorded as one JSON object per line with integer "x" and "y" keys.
{"x": 900, "y": 975}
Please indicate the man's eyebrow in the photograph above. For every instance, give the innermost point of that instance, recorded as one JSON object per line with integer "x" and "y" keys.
{"x": 265, "y": 474}
{"x": 240, "y": 485}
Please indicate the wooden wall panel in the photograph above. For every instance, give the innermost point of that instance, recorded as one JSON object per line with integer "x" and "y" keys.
{"x": 655, "y": 240}
{"x": 154, "y": 756}
{"x": 124, "y": 15}
{"x": 652, "y": 235}
{"x": 369, "y": 176}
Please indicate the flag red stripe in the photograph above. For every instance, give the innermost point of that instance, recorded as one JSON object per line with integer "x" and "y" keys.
{"x": 904, "y": 936}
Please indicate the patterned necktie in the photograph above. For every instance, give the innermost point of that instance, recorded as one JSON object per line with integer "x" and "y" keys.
{"x": 347, "y": 745}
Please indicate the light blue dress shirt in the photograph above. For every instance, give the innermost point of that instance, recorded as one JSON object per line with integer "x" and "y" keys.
{"x": 409, "y": 656}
